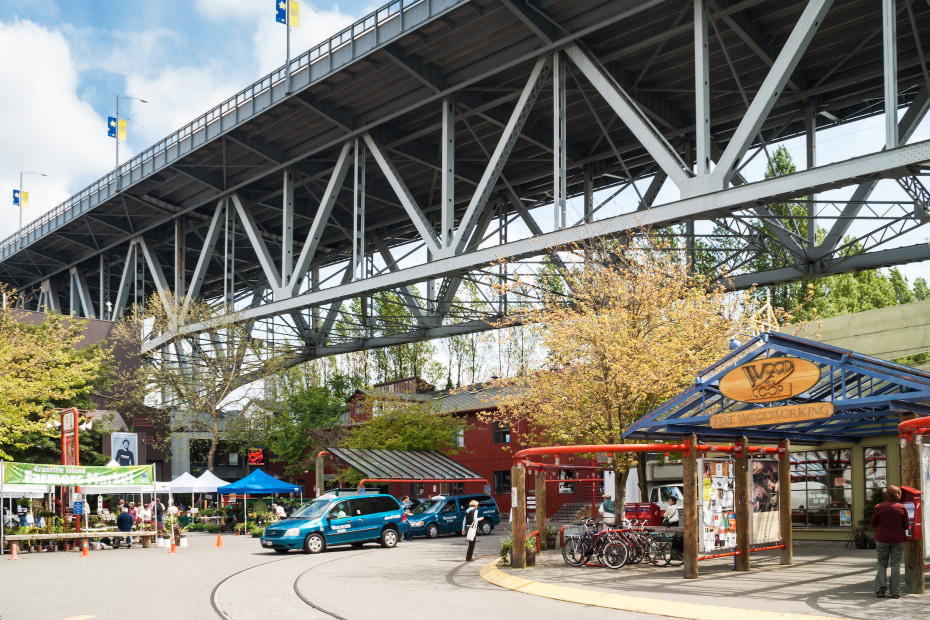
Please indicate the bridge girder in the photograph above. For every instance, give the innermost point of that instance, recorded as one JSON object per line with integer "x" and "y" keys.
{"x": 437, "y": 138}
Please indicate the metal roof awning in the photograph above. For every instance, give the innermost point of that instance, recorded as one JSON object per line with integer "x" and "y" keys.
{"x": 868, "y": 395}
{"x": 404, "y": 465}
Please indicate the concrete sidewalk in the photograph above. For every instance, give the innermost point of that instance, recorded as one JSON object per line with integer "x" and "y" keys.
{"x": 825, "y": 581}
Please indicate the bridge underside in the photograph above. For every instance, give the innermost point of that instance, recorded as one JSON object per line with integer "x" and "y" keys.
{"x": 416, "y": 149}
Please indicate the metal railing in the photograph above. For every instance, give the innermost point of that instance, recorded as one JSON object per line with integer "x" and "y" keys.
{"x": 376, "y": 30}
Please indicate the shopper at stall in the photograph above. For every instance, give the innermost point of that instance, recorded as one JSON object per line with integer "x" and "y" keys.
{"x": 124, "y": 524}
{"x": 890, "y": 522}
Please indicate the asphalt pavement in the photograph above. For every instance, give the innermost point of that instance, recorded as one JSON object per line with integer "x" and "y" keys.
{"x": 241, "y": 581}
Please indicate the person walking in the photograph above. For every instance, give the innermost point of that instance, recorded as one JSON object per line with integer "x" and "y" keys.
{"x": 890, "y": 522}
{"x": 470, "y": 528}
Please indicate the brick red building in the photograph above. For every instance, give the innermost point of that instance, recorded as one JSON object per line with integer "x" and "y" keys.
{"x": 486, "y": 447}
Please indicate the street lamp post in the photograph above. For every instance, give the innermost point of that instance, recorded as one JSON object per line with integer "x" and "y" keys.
{"x": 118, "y": 97}
{"x": 21, "y": 175}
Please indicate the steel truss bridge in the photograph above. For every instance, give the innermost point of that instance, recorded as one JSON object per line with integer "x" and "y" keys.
{"x": 417, "y": 147}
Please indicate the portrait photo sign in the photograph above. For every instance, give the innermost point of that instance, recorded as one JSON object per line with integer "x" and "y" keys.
{"x": 125, "y": 448}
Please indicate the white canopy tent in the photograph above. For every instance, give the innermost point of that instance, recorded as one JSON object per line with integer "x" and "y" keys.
{"x": 184, "y": 483}
{"x": 208, "y": 482}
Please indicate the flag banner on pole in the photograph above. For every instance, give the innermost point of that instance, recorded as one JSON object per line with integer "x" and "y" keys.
{"x": 122, "y": 130}
{"x": 15, "y": 197}
{"x": 111, "y": 126}
{"x": 295, "y": 14}
{"x": 25, "y": 199}
{"x": 280, "y": 8}
{"x": 78, "y": 475}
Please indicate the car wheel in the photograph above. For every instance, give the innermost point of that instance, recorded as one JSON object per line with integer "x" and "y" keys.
{"x": 389, "y": 538}
{"x": 357, "y": 544}
{"x": 432, "y": 530}
{"x": 314, "y": 543}
{"x": 281, "y": 550}
{"x": 484, "y": 528}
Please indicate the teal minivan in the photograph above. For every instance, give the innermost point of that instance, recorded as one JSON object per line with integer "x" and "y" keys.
{"x": 339, "y": 520}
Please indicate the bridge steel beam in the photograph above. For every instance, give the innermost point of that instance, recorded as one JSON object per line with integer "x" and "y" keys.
{"x": 480, "y": 135}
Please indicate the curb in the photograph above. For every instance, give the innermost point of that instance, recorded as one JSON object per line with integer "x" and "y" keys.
{"x": 636, "y": 604}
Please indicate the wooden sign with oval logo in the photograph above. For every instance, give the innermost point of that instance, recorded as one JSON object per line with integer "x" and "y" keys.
{"x": 769, "y": 379}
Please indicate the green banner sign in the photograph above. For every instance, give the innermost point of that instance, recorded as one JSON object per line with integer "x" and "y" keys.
{"x": 78, "y": 475}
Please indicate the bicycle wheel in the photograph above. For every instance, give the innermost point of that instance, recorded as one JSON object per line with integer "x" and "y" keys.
{"x": 677, "y": 557}
{"x": 663, "y": 553}
{"x": 573, "y": 552}
{"x": 614, "y": 555}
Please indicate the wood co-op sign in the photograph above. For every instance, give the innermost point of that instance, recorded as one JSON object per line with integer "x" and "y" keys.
{"x": 767, "y": 380}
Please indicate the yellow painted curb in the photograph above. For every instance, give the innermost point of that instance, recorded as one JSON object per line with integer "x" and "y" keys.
{"x": 637, "y": 604}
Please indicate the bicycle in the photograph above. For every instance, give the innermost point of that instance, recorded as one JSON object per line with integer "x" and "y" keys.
{"x": 579, "y": 550}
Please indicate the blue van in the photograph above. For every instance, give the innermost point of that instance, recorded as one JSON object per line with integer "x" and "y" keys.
{"x": 441, "y": 514}
{"x": 338, "y": 519}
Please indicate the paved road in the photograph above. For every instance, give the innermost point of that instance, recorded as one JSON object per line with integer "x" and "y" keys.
{"x": 245, "y": 582}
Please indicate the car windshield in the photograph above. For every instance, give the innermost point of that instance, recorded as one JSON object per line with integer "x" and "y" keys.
{"x": 427, "y": 506}
{"x": 313, "y": 510}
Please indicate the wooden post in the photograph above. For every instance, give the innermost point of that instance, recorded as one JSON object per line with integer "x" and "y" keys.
{"x": 518, "y": 516}
{"x": 913, "y": 549}
{"x": 784, "y": 501}
{"x": 541, "y": 507}
{"x": 741, "y": 490}
{"x": 690, "y": 507}
{"x": 320, "y": 478}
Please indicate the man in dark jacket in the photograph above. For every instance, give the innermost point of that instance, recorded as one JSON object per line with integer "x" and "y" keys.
{"x": 124, "y": 524}
{"x": 890, "y": 523}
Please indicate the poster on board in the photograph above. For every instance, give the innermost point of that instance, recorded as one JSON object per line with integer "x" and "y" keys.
{"x": 125, "y": 448}
{"x": 717, "y": 513}
{"x": 765, "y": 523}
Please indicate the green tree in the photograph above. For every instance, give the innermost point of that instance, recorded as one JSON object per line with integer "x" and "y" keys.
{"x": 308, "y": 422}
{"x": 42, "y": 367}
{"x": 399, "y": 423}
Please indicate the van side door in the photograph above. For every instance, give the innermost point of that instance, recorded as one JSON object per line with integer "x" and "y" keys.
{"x": 339, "y": 523}
{"x": 449, "y": 517}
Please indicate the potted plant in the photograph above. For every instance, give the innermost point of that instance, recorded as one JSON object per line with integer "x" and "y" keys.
{"x": 257, "y": 531}
{"x": 551, "y": 535}
{"x": 531, "y": 551}
{"x": 506, "y": 548}
{"x": 181, "y": 537}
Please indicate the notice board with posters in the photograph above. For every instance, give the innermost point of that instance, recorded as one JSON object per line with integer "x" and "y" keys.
{"x": 717, "y": 509}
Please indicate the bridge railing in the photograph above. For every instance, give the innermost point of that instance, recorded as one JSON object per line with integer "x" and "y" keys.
{"x": 364, "y": 36}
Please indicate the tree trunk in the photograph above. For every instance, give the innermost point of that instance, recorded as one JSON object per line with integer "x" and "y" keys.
{"x": 214, "y": 440}
{"x": 620, "y": 478}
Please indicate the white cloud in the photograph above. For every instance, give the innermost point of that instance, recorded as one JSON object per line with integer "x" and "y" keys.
{"x": 47, "y": 127}
{"x": 175, "y": 96}
{"x": 270, "y": 38}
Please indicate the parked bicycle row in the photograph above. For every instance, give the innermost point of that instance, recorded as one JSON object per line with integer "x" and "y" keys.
{"x": 615, "y": 548}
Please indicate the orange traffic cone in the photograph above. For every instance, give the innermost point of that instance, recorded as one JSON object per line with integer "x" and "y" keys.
{"x": 219, "y": 540}
{"x": 84, "y": 553}
{"x": 14, "y": 551}
{"x": 173, "y": 548}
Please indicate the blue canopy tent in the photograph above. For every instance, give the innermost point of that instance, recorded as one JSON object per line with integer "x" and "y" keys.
{"x": 257, "y": 483}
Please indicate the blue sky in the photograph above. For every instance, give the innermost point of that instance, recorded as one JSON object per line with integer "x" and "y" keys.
{"x": 64, "y": 63}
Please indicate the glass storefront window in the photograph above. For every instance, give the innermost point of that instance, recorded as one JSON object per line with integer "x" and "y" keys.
{"x": 821, "y": 489}
{"x": 875, "y": 470}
